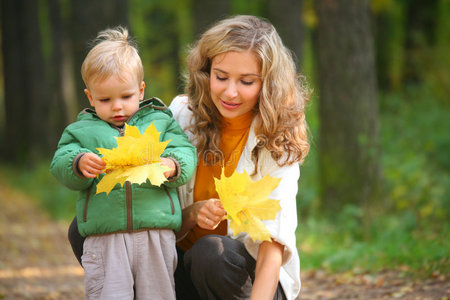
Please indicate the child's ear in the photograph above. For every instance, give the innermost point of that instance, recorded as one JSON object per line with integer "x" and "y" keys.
{"x": 88, "y": 94}
{"x": 141, "y": 90}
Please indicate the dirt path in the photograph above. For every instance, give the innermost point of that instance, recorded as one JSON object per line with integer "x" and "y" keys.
{"x": 36, "y": 262}
{"x": 384, "y": 285}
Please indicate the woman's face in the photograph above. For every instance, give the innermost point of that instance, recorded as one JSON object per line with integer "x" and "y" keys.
{"x": 235, "y": 82}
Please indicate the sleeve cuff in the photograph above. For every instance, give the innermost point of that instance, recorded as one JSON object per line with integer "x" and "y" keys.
{"x": 76, "y": 160}
{"x": 177, "y": 170}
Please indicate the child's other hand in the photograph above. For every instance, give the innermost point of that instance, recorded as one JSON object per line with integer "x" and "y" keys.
{"x": 91, "y": 165}
{"x": 171, "y": 164}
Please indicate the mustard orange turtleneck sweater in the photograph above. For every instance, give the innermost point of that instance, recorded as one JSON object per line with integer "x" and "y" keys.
{"x": 233, "y": 138}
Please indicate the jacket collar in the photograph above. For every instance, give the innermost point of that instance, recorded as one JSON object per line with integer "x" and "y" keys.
{"x": 154, "y": 103}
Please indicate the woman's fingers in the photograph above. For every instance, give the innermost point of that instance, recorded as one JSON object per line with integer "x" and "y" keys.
{"x": 218, "y": 203}
{"x": 215, "y": 210}
{"x": 210, "y": 214}
{"x": 207, "y": 223}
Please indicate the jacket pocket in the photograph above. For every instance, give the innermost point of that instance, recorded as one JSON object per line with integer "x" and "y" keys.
{"x": 172, "y": 206}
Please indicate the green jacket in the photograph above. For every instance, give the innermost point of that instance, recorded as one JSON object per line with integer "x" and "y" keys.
{"x": 132, "y": 207}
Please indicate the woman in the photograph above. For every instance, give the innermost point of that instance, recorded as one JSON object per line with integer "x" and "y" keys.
{"x": 244, "y": 110}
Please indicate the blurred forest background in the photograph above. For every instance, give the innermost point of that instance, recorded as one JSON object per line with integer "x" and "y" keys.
{"x": 375, "y": 189}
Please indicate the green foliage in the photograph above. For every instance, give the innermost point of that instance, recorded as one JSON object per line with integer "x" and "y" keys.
{"x": 388, "y": 241}
{"x": 437, "y": 62}
{"x": 390, "y": 42}
{"x": 404, "y": 52}
{"x": 252, "y": 7}
{"x": 37, "y": 182}
{"x": 416, "y": 163}
{"x": 410, "y": 225}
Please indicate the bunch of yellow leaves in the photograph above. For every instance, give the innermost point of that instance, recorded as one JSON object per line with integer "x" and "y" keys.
{"x": 136, "y": 159}
{"x": 246, "y": 203}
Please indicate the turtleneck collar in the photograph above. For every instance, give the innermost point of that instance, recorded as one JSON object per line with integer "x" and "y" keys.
{"x": 239, "y": 123}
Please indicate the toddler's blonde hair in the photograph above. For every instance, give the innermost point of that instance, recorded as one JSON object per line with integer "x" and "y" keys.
{"x": 114, "y": 53}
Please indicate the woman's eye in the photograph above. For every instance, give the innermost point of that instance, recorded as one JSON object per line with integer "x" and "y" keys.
{"x": 247, "y": 82}
{"x": 221, "y": 78}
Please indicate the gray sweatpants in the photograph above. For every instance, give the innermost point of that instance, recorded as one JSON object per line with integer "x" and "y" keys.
{"x": 115, "y": 263}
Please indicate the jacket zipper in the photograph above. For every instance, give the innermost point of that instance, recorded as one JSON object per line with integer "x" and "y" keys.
{"x": 128, "y": 193}
{"x": 129, "y": 201}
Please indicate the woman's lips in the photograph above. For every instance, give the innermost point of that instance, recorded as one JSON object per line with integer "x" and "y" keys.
{"x": 229, "y": 105}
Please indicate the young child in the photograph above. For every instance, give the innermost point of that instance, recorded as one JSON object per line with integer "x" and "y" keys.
{"x": 130, "y": 249}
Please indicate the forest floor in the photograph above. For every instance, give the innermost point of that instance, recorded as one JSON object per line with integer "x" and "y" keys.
{"x": 36, "y": 262}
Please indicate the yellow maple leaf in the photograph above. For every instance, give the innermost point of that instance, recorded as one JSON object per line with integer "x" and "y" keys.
{"x": 136, "y": 159}
{"x": 247, "y": 203}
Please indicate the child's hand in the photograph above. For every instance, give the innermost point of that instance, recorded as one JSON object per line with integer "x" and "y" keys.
{"x": 91, "y": 165}
{"x": 171, "y": 164}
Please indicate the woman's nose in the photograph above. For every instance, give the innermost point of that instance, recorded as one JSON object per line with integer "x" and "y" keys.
{"x": 231, "y": 90}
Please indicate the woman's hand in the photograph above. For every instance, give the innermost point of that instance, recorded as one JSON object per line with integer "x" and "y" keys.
{"x": 206, "y": 214}
{"x": 91, "y": 165}
{"x": 209, "y": 213}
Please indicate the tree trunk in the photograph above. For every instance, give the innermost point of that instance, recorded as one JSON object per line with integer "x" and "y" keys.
{"x": 348, "y": 108}
{"x": 207, "y": 12}
{"x": 87, "y": 19}
{"x": 285, "y": 15}
{"x": 14, "y": 144}
{"x": 26, "y": 88}
{"x": 58, "y": 110}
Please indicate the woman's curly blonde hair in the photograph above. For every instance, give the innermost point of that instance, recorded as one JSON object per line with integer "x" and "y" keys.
{"x": 280, "y": 112}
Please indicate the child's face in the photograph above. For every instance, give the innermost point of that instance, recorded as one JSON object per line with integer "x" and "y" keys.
{"x": 116, "y": 98}
{"x": 235, "y": 82}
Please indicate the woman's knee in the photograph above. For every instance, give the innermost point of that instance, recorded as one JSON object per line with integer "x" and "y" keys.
{"x": 220, "y": 266}
{"x": 217, "y": 254}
